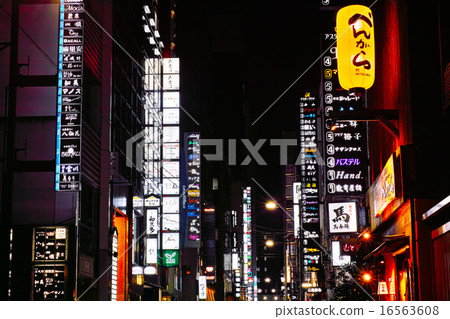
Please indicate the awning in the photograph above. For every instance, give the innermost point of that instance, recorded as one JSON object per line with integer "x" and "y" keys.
{"x": 389, "y": 246}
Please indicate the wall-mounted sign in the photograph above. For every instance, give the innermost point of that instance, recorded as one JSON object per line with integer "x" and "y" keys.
{"x": 171, "y": 116}
{"x": 152, "y": 221}
{"x": 69, "y": 100}
{"x": 171, "y": 222}
{"x": 382, "y": 288}
{"x": 355, "y": 47}
{"x": 171, "y": 65}
{"x": 171, "y": 151}
{"x": 171, "y": 81}
{"x": 170, "y": 258}
{"x": 297, "y": 192}
{"x": 171, "y": 99}
{"x": 343, "y": 217}
{"x": 192, "y": 200}
{"x": 50, "y": 244}
{"x": 171, "y": 241}
{"x": 171, "y": 134}
{"x": 152, "y": 201}
{"x": 307, "y": 223}
{"x": 171, "y": 169}
{"x": 202, "y": 287}
{"x": 338, "y": 259}
{"x": 49, "y": 282}
{"x": 383, "y": 191}
{"x": 171, "y": 186}
{"x": 346, "y": 146}
{"x": 151, "y": 251}
{"x": 171, "y": 205}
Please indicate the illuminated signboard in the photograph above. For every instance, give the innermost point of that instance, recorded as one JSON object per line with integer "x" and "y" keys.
{"x": 297, "y": 192}
{"x": 247, "y": 244}
{"x": 383, "y": 191}
{"x": 170, "y": 258}
{"x": 171, "y": 151}
{"x": 171, "y": 205}
{"x": 346, "y": 146}
{"x": 171, "y": 222}
{"x": 338, "y": 259}
{"x": 50, "y": 244}
{"x": 342, "y": 217}
{"x": 49, "y": 282}
{"x": 355, "y": 47}
{"x": 170, "y": 241}
{"x": 152, "y": 221}
{"x": 114, "y": 269}
{"x": 192, "y": 200}
{"x": 151, "y": 251}
{"x": 70, "y": 92}
{"x": 171, "y": 99}
{"x": 202, "y": 287}
{"x": 307, "y": 221}
{"x": 49, "y": 262}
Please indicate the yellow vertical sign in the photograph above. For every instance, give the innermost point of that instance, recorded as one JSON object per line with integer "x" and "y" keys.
{"x": 355, "y": 47}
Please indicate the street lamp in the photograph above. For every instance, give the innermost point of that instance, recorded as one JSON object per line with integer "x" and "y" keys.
{"x": 267, "y": 280}
{"x": 271, "y": 205}
{"x": 367, "y": 277}
{"x": 270, "y": 243}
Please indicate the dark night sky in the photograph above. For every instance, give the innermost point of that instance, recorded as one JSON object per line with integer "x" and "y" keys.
{"x": 242, "y": 55}
{"x": 238, "y": 53}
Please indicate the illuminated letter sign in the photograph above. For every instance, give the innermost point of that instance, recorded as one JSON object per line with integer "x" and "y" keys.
{"x": 355, "y": 47}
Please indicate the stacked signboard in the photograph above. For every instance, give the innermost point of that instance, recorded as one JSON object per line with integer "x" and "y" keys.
{"x": 70, "y": 95}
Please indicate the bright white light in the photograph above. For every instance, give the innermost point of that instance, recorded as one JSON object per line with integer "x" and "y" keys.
{"x": 146, "y": 28}
{"x": 267, "y": 280}
{"x": 271, "y": 205}
{"x": 147, "y": 9}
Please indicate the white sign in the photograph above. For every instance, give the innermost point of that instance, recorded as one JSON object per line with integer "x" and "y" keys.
{"x": 60, "y": 233}
{"x": 202, "y": 287}
{"x": 171, "y": 99}
{"x": 171, "y": 241}
{"x": 171, "y": 65}
{"x": 171, "y": 169}
{"x": 152, "y": 201}
{"x": 171, "y": 81}
{"x": 171, "y": 205}
{"x": 171, "y": 151}
{"x": 343, "y": 217}
{"x": 171, "y": 186}
{"x": 137, "y": 202}
{"x": 338, "y": 260}
{"x": 235, "y": 262}
{"x": 171, "y": 222}
{"x": 152, "y": 221}
{"x": 296, "y": 221}
{"x": 152, "y": 251}
{"x": 171, "y": 134}
{"x": 171, "y": 116}
{"x": 297, "y": 192}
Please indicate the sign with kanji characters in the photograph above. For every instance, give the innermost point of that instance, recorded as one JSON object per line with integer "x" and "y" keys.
{"x": 70, "y": 93}
{"x": 342, "y": 217}
{"x": 355, "y": 47}
{"x": 345, "y": 150}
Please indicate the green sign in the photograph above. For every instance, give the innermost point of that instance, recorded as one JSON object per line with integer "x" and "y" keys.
{"x": 170, "y": 258}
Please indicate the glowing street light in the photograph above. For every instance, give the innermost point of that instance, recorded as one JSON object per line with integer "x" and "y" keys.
{"x": 367, "y": 277}
{"x": 267, "y": 280}
{"x": 271, "y": 205}
{"x": 270, "y": 243}
{"x": 366, "y": 235}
